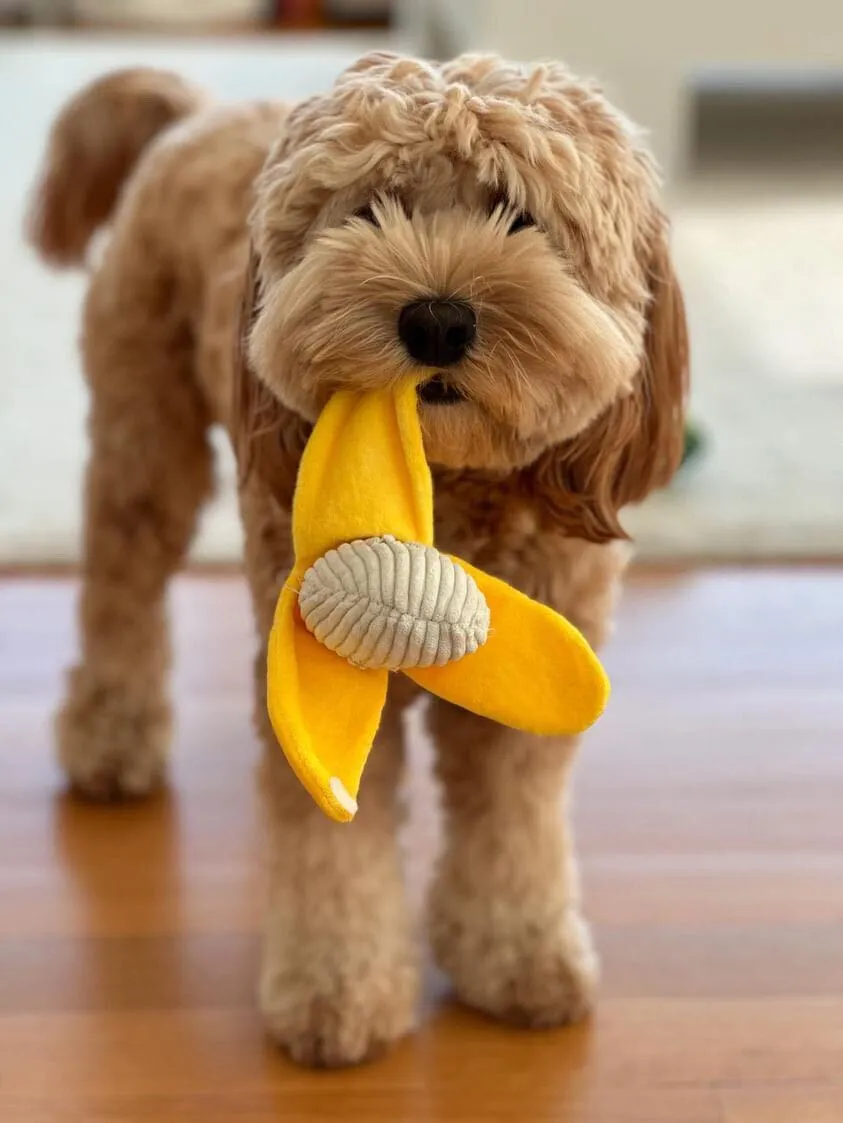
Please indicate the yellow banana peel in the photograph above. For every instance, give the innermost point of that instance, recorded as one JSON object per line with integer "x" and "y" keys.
{"x": 364, "y": 475}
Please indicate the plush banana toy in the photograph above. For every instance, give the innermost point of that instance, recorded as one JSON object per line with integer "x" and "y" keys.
{"x": 370, "y": 594}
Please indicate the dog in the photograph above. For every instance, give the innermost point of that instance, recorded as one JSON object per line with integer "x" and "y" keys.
{"x": 261, "y": 257}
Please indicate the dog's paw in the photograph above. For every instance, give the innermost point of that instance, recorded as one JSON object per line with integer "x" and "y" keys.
{"x": 112, "y": 741}
{"x": 533, "y": 970}
{"x": 337, "y": 1009}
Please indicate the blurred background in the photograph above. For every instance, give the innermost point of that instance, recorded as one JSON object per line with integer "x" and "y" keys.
{"x": 707, "y": 808}
{"x": 744, "y": 102}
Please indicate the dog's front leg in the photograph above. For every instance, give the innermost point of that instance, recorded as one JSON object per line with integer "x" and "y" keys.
{"x": 504, "y": 914}
{"x": 339, "y": 978}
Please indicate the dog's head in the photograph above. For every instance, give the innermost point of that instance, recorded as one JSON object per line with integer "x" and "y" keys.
{"x": 496, "y": 231}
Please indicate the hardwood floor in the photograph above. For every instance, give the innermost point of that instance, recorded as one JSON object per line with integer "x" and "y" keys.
{"x": 710, "y": 820}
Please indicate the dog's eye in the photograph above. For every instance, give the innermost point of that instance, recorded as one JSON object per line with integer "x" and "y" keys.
{"x": 521, "y": 222}
{"x": 367, "y": 214}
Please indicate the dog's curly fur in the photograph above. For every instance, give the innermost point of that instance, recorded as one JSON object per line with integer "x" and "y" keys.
{"x": 241, "y": 285}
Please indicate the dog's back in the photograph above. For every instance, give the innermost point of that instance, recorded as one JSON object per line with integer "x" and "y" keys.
{"x": 151, "y": 156}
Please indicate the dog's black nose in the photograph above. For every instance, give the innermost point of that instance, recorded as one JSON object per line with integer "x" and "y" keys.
{"x": 437, "y": 333}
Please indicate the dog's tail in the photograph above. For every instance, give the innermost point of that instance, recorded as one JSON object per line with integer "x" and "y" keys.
{"x": 94, "y": 144}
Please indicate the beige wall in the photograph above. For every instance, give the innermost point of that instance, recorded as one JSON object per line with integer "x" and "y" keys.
{"x": 644, "y": 52}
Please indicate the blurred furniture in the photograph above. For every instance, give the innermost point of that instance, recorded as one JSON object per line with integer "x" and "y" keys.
{"x": 330, "y": 13}
{"x": 169, "y": 13}
{"x": 198, "y": 15}
{"x": 357, "y": 11}
{"x": 645, "y": 54}
{"x": 24, "y": 13}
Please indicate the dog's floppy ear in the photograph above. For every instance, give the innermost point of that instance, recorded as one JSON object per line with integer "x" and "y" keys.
{"x": 268, "y": 438}
{"x": 636, "y": 445}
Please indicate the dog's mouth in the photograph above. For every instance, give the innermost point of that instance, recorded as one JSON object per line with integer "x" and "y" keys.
{"x": 437, "y": 391}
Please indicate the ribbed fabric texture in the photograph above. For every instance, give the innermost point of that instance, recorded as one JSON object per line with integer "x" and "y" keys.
{"x": 380, "y": 602}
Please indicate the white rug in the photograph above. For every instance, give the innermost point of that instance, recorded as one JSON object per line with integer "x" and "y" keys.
{"x": 764, "y": 282}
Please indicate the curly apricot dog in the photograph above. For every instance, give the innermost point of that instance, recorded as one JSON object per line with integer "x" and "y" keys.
{"x": 261, "y": 257}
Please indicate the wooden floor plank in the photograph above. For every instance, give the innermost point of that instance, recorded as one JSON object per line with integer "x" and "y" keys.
{"x": 372, "y": 1104}
{"x": 631, "y": 1046}
{"x": 708, "y": 812}
{"x": 789, "y": 1105}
